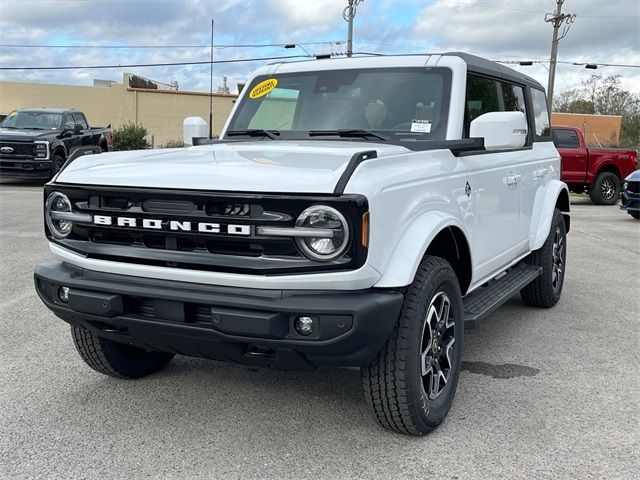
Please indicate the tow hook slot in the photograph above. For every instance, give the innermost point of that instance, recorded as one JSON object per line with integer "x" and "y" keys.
{"x": 256, "y": 351}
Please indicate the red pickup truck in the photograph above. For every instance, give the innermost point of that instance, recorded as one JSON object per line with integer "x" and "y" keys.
{"x": 598, "y": 171}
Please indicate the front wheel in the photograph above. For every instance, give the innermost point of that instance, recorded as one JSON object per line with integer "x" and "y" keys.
{"x": 116, "y": 359}
{"x": 57, "y": 162}
{"x": 411, "y": 384}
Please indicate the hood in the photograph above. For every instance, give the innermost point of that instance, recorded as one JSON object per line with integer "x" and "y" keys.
{"x": 20, "y": 135}
{"x": 306, "y": 166}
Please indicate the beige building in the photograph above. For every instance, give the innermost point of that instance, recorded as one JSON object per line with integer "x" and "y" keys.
{"x": 160, "y": 109}
{"x": 598, "y": 130}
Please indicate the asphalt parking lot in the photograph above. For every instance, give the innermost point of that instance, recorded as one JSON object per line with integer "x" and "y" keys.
{"x": 544, "y": 394}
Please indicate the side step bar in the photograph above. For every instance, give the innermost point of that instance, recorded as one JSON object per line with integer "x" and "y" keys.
{"x": 483, "y": 301}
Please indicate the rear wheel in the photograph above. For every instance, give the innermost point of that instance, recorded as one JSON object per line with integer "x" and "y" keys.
{"x": 545, "y": 290}
{"x": 117, "y": 359}
{"x": 411, "y": 384}
{"x": 606, "y": 189}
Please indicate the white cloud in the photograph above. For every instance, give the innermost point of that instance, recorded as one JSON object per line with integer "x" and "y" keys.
{"x": 503, "y": 29}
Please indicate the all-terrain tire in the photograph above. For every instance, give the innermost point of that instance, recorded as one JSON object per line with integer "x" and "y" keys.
{"x": 393, "y": 382}
{"x": 545, "y": 291}
{"x": 116, "y": 359}
{"x": 606, "y": 189}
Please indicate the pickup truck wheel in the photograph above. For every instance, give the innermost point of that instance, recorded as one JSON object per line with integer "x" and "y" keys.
{"x": 116, "y": 359}
{"x": 411, "y": 384}
{"x": 606, "y": 189}
{"x": 545, "y": 291}
{"x": 56, "y": 164}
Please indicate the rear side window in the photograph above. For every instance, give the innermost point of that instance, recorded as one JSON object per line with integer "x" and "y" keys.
{"x": 482, "y": 97}
{"x": 540, "y": 113}
{"x": 566, "y": 139}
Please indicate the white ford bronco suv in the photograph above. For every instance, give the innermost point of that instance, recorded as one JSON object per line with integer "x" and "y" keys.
{"x": 356, "y": 212}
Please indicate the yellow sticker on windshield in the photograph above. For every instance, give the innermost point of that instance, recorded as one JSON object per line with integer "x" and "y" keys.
{"x": 261, "y": 89}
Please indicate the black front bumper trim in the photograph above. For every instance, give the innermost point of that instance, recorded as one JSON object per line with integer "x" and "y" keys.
{"x": 249, "y": 326}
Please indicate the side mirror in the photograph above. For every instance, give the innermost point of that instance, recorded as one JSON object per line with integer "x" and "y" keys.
{"x": 500, "y": 130}
{"x": 66, "y": 132}
{"x": 77, "y": 129}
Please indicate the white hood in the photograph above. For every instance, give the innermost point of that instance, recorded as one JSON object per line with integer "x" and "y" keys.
{"x": 311, "y": 166}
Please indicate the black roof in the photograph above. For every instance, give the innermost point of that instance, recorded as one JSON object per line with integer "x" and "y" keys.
{"x": 45, "y": 109}
{"x": 487, "y": 67}
{"x": 474, "y": 64}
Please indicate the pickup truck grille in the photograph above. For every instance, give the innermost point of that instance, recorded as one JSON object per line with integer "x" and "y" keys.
{"x": 220, "y": 251}
{"x": 19, "y": 149}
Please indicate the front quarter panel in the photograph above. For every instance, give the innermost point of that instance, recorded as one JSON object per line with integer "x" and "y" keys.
{"x": 412, "y": 197}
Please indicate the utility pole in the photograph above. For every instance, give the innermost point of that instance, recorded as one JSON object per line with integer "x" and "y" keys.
{"x": 557, "y": 19}
{"x": 349, "y": 14}
{"x": 211, "y": 88}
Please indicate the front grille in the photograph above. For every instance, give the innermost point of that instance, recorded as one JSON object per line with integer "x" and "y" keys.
{"x": 220, "y": 251}
{"x": 19, "y": 149}
{"x": 633, "y": 187}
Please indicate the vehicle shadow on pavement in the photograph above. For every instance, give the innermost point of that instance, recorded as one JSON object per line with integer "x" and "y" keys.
{"x": 19, "y": 182}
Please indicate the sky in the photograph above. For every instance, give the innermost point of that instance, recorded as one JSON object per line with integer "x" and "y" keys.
{"x": 603, "y": 32}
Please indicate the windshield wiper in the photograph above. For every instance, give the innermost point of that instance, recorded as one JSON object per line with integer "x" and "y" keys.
{"x": 256, "y": 132}
{"x": 346, "y": 133}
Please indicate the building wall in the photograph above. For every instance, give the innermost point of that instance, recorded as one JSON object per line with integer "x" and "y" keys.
{"x": 161, "y": 112}
{"x": 597, "y": 129}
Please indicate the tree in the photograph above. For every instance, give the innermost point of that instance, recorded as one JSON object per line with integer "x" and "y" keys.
{"x": 604, "y": 96}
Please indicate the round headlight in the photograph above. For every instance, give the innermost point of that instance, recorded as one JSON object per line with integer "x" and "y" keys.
{"x": 331, "y": 242}
{"x": 58, "y": 202}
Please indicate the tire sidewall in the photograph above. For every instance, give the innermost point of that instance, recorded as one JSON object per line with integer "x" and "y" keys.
{"x": 434, "y": 411}
{"x": 57, "y": 162}
{"x": 558, "y": 221}
{"x": 596, "y": 194}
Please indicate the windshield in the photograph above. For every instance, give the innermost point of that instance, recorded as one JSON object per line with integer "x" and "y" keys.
{"x": 397, "y": 102}
{"x": 32, "y": 120}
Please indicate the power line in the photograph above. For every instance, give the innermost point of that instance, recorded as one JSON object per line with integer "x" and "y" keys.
{"x": 566, "y": 62}
{"x": 220, "y": 46}
{"x": 172, "y": 64}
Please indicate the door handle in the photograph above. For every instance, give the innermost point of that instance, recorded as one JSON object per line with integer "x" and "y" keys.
{"x": 539, "y": 173}
{"x": 513, "y": 179}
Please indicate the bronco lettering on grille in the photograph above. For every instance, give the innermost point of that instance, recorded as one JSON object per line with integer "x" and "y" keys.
{"x": 171, "y": 225}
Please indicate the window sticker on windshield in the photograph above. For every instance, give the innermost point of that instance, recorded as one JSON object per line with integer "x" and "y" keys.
{"x": 421, "y": 126}
{"x": 261, "y": 89}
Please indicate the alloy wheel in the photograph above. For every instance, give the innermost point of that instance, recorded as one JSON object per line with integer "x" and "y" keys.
{"x": 438, "y": 339}
{"x": 608, "y": 189}
{"x": 558, "y": 255}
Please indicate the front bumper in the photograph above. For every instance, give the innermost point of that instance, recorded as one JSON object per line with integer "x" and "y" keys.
{"x": 248, "y": 326}
{"x": 630, "y": 201}
{"x": 29, "y": 168}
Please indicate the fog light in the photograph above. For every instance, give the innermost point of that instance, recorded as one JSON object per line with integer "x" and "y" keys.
{"x": 304, "y": 325}
{"x": 63, "y": 294}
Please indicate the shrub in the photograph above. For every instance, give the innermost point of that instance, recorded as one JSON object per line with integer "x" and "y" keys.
{"x": 130, "y": 137}
{"x": 173, "y": 144}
